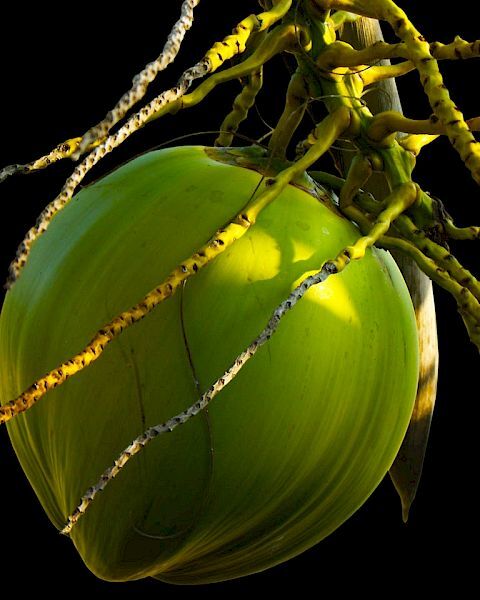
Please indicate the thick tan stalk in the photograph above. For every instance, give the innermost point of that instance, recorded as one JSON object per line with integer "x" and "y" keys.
{"x": 407, "y": 468}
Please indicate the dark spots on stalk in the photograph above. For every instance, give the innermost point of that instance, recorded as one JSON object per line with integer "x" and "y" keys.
{"x": 184, "y": 268}
{"x": 195, "y": 267}
{"x": 220, "y": 57}
{"x": 269, "y": 182}
{"x": 331, "y": 268}
{"x": 425, "y": 80}
{"x": 220, "y": 242}
{"x": 426, "y": 59}
{"x": 434, "y": 118}
{"x": 454, "y": 121}
{"x": 421, "y": 38}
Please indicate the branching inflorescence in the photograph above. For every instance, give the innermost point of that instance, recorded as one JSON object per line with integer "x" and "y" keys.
{"x": 328, "y": 69}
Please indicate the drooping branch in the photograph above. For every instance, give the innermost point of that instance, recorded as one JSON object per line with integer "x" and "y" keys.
{"x": 170, "y": 101}
{"x": 142, "y": 80}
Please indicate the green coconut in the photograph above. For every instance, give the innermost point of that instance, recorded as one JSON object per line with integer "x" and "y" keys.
{"x": 286, "y": 452}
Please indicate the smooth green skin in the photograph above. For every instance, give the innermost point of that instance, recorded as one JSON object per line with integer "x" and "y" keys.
{"x": 300, "y": 438}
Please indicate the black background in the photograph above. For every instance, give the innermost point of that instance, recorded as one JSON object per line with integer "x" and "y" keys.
{"x": 61, "y": 71}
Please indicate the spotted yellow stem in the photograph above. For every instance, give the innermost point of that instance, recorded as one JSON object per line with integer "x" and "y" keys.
{"x": 419, "y": 53}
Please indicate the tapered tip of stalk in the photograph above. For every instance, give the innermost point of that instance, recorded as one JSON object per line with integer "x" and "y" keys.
{"x": 405, "y": 510}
